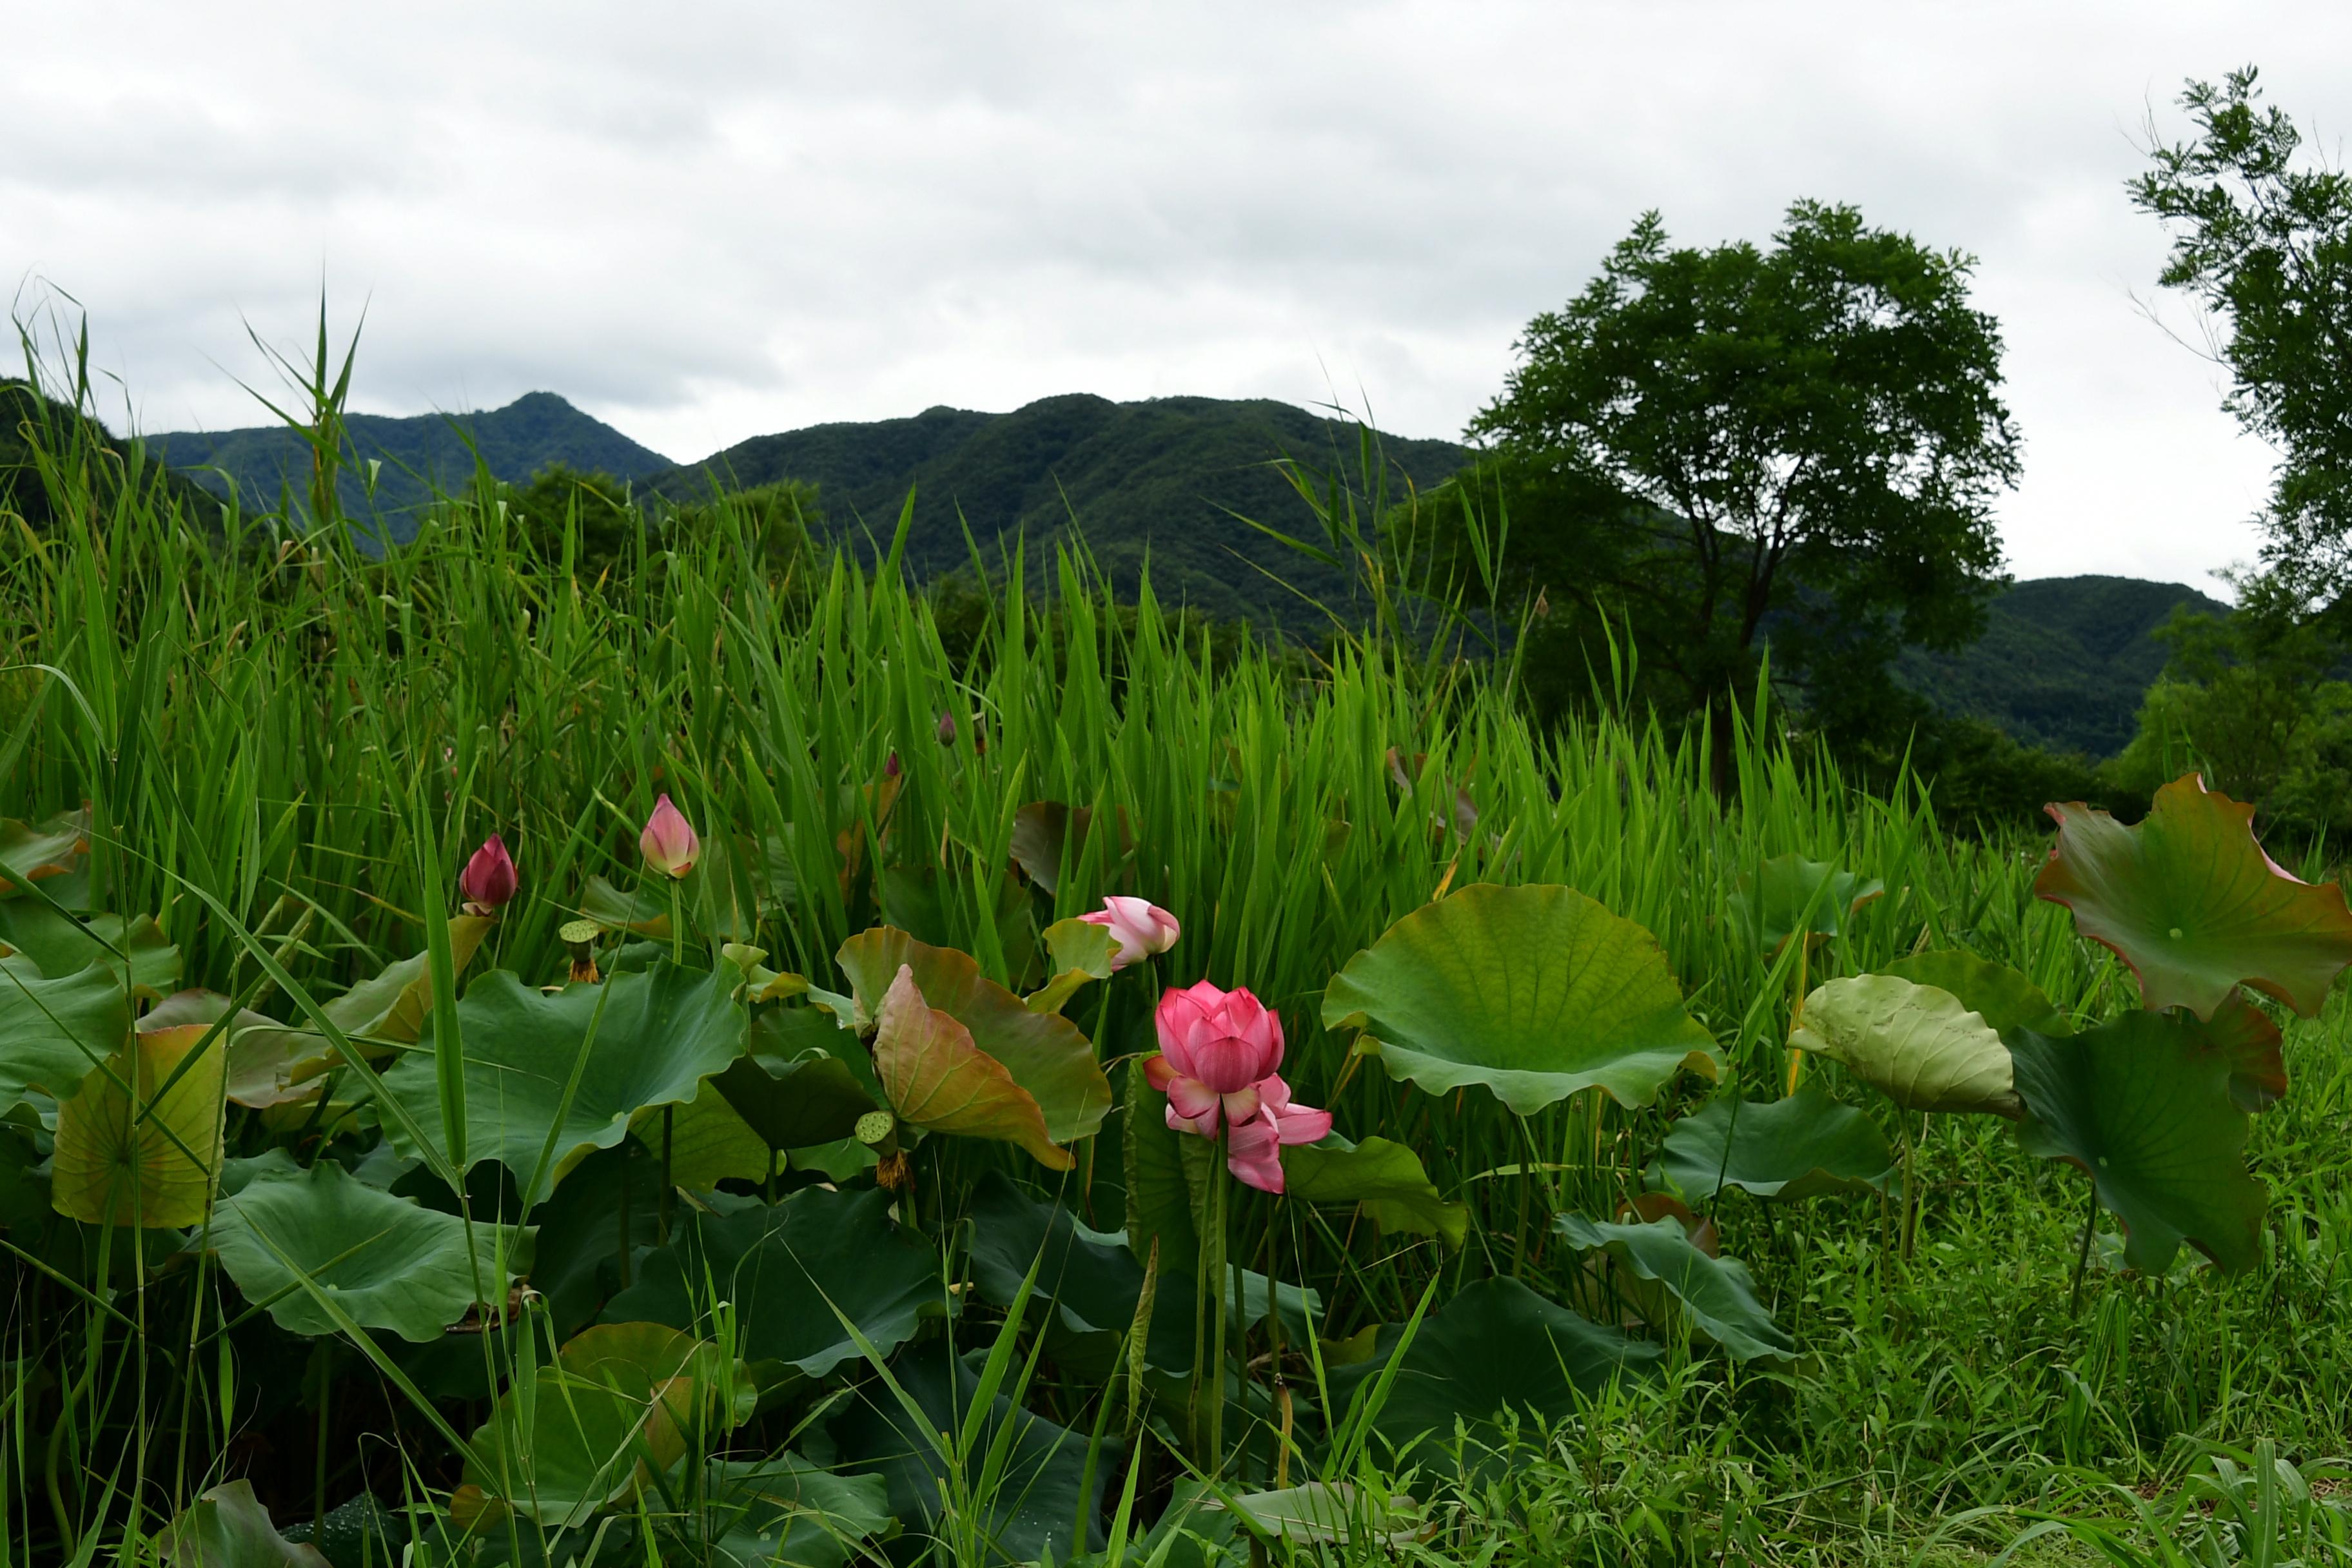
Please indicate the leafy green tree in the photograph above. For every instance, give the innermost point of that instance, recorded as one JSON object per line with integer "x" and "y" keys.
{"x": 1715, "y": 449}
{"x": 2262, "y": 237}
{"x": 597, "y": 505}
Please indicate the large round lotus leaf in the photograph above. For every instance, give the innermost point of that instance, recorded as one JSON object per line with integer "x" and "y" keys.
{"x": 140, "y": 1144}
{"x": 2189, "y": 900}
{"x": 786, "y": 1270}
{"x": 1795, "y": 1148}
{"x": 2144, "y": 1105}
{"x": 1999, "y": 995}
{"x": 393, "y": 1006}
{"x": 936, "y": 1079}
{"x": 622, "y": 1402}
{"x": 56, "y": 1031}
{"x": 1386, "y": 1178}
{"x": 1789, "y": 893}
{"x": 1495, "y": 1344}
{"x": 549, "y": 1078}
{"x": 1717, "y": 1294}
{"x": 1535, "y": 992}
{"x": 1916, "y": 1043}
{"x": 1043, "y": 1052}
{"x": 263, "y": 1054}
{"x": 291, "y": 1236}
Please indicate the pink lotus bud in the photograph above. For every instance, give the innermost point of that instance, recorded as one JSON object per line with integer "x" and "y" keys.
{"x": 488, "y": 878}
{"x": 668, "y": 841}
{"x": 890, "y": 766}
{"x": 1142, "y": 927}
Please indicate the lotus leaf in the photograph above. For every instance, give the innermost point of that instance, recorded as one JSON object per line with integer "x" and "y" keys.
{"x": 622, "y": 1404}
{"x": 1386, "y": 1178}
{"x": 394, "y": 1005}
{"x": 1088, "y": 1276}
{"x": 140, "y": 1144}
{"x": 549, "y": 1078}
{"x": 1798, "y": 1147}
{"x": 1322, "y": 1513}
{"x": 1042, "y": 1052}
{"x": 1916, "y": 1043}
{"x": 936, "y": 1079}
{"x": 784, "y": 1509}
{"x": 227, "y": 1527}
{"x": 1495, "y": 1344}
{"x": 1043, "y": 827}
{"x": 787, "y": 1268}
{"x": 1789, "y": 892}
{"x": 576, "y": 1264}
{"x": 57, "y": 1030}
{"x": 1533, "y": 992}
{"x": 36, "y": 853}
{"x": 1080, "y": 951}
{"x": 2189, "y": 900}
{"x": 1717, "y": 1295}
{"x": 644, "y": 912}
{"x": 1045, "y": 1484}
{"x": 1999, "y": 995}
{"x": 290, "y": 1235}
{"x": 137, "y": 952}
{"x": 264, "y": 1055}
{"x": 806, "y": 1080}
{"x": 2144, "y": 1105}
{"x": 708, "y": 1142}
{"x": 2255, "y": 1049}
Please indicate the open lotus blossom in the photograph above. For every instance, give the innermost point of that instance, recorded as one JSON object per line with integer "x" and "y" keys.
{"x": 488, "y": 878}
{"x": 1219, "y": 1051}
{"x": 1139, "y": 927}
{"x": 668, "y": 841}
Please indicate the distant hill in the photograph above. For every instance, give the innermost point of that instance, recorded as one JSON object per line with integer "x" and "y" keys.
{"x": 1159, "y": 477}
{"x": 2063, "y": 660}
{"x": 420, "y": 453}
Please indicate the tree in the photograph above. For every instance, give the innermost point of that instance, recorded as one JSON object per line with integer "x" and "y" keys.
{"x": 2262, "y": 238}
{"x": 1717, "y": 449}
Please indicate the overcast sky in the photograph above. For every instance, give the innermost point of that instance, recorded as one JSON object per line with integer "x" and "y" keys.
{"x": 704, "y": 222}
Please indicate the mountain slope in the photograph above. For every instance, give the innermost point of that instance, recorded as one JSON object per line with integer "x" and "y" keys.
{"x": 1156, "y": 478}
{"x": 420, "y": 453}
{"x": 2063, "y": 661}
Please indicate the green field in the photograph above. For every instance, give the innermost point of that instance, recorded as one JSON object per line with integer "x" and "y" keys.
{"x": 385, "y": 1236}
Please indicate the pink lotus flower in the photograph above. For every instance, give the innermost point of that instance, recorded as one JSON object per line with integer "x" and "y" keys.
{"x": 1139, "y": 927}
{"x": 1219, "y": 1051}
{"x": 488, "y": 878}
{"x": 668, "y": 841}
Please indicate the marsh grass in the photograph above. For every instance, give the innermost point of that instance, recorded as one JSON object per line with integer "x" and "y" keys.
{"x": 280, "y": 732}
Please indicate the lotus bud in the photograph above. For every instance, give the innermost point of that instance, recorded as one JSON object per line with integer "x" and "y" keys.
{"x": 890, "y": 766}
{"x": 947, "y": 730}
{"x": 489, "y": 879}
{"x": 1140, "y": 927}
{"x": 668, "y": 841}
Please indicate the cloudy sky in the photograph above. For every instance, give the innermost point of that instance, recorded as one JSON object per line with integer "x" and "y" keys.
{"x": 710, "y": 221}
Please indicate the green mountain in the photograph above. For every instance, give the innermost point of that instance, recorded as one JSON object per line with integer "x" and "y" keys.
{"x": 2063, "y": 660}
{"x": 420, "y": 453}
{"x": 1160, "y": 479}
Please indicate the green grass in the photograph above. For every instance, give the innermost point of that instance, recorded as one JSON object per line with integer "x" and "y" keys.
{"x": 295, "y": 729}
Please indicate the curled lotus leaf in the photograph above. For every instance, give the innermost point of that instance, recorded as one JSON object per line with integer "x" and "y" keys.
{"x": 1081, "y": 952}
{"x": 936, "y": 1079}
{"x": 1043, "y": 1053}
{"x": 394, "y": 1005}
{"x": 1386, "y": 1178}
{"x": 1716, "y": 1294}
{"x": 1999, "y": 995}
{"x": 2188, "y": 899}
{"x": 1917, "y": 1045}
{"x": 291, "y": 1236}
{"x": 140, "y": 1144}
{"x": 1533, "y": 993}
{"x": 228, "y": 1527}
{"x": 805, "y": 1080}
{"x": 2146, "y": 1106}
{"x": 549, "y": 1078}
{"x": 56, "y": 1029}
{"x": 38, "y": 852}
{"x": 265, "y": 1058}
{"x": 1798, "y": 1147}
{"x": 143, "y": 961}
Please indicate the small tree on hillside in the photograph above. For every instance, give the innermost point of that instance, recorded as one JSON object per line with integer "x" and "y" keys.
{"x": 1800, "y": 445}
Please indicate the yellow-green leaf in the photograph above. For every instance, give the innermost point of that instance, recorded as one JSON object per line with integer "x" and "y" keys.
{"x": 936, "y": 1079}
{"x": 139, "y": 1146}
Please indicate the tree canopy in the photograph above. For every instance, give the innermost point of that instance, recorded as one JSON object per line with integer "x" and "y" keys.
{"x": 1717, "y": 449}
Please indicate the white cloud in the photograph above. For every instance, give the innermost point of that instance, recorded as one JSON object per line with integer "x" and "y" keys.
{"x": 706, "y": 223}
